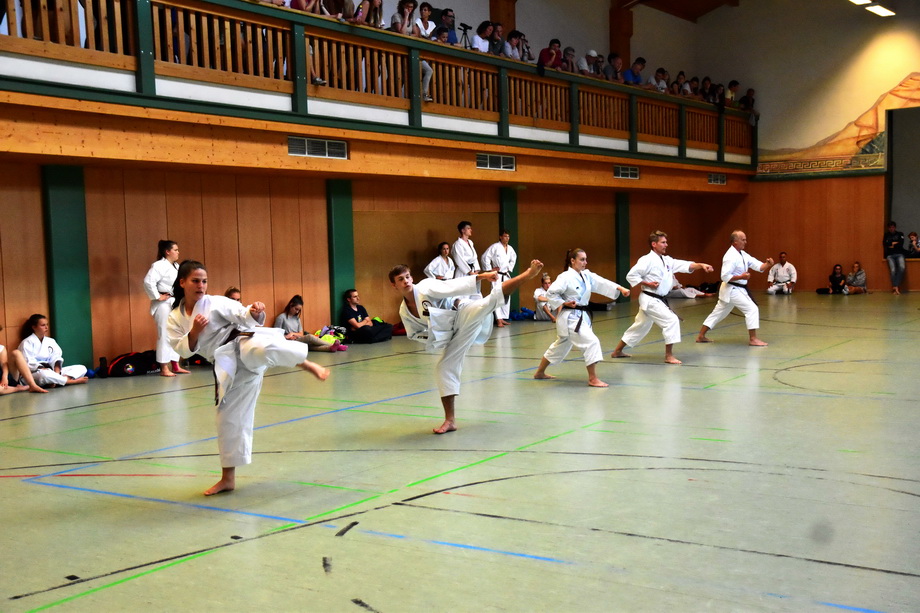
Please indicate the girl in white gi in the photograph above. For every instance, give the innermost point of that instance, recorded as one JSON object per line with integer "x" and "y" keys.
{"x": 44, "y": 356}
{"x": 500, "y": 257}
{"x": 654, "y": 275}
{"x": 441, "y": 315}
{"x": 159, "y": 286}
{"x": 542, "y": 311}
{"x": 19, "y": 379}
{"x": 442, "y": 267}
{"x": 226, "y": 333}
{"x": 571, "y": 290}
{"x": 734, "y": 292}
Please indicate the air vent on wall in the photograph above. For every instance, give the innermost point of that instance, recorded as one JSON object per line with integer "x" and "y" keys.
{"x": 717, "y": 179}
{"x": 495, "y": 162}
{"x": 625, "y": 172}
{"x": 317, "y": 148}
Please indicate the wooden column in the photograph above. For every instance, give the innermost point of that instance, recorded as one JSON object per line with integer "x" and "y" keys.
{"x": 621, "y": 30}
{"x": 502, "y": 11}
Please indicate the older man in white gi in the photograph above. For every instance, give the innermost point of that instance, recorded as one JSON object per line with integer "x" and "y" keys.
{"x": 782, "y": 277}
{"x": 500, "y": 257}
{"x": 734, "y": 291}
{"x": 654, "y": 275}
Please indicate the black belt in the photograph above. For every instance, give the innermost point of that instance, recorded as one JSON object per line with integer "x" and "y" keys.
{"x": 745, "y": 288}
{"x": 584, "y": 308}
{"x": 234, "y": 334}
{"x": 664, "y": 300}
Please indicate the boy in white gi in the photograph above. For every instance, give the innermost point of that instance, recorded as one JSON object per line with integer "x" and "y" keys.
{"x": 500, "y": 257}
{"x": 654, "y": 275}
{"x": 463, "y": 251}
{"x": 734, "y": 291}
{"x": 572, "y": 290}
{"x": 228, "y": 334}
{"x": 441, "y": 315}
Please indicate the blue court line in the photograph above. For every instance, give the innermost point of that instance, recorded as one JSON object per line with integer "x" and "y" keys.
{"x": 846, "y": 608}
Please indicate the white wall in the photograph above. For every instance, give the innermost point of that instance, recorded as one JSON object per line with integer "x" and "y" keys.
{"x": 582, "y": 24}
{"x": 665, "y": 41}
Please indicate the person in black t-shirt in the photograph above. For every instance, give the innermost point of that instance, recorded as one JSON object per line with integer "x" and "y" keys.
{"x": 359, "y": 327}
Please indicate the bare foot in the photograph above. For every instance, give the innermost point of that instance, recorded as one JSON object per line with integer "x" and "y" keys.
{"x": 36, "y": 389}
{"x": 543, "y": 376}
{"x": 180, "y": 371}
{"x": 75, "y": 381}
{"x": 597, "y": 383}
{"x": 620, "y": 354}
{"x": 166, "y": 373}
{"x": 756, "y": 342}
{"x": 447, "y": 426}
{"x": 500, "y": 324}
{"x": 315, "y": 369}
{"x": 224, "y": 485}
{"x": 22, "y": 388}
{"x": 703, "y": 339}
{"x": 670, "y": 359}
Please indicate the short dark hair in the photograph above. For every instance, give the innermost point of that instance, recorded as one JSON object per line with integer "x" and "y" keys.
{"x": 655, "y": 236}
{"x": 396, "y": 271}
{"x": 464, "y": 224}
{"x": 612, "y": 56}
{"x": 444, "y": 12}
{"x": 732, "y": 83}
{"x": 783, "y": 253}
{"x": 555, "y": 41}
{"x": 440, "y": 30}
{"x": 503, "y": 231}
{"x": 640, "y": 60}
{"x": 424, "y": 5}
{"x": 347, "y": 293}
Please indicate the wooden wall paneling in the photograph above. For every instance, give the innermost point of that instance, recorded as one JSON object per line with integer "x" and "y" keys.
{"x": 109, "y": 278}
{"x": 314, "y": 251}
{"x": 221, "y": 252}
{"x": 253, "y": 202}
{"x": 145, "y": 224}
{"x": 24, "y": 278}
{"x": 183, "y": 213}
{"x": 285, "y": 235}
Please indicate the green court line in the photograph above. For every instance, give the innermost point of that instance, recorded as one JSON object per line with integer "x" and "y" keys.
{"x": 715, "y": 440}
{"x": 119, "y": 582}
{"x": 342, "y": 508}
{"x": 621, "y": 432}
{"x": 73, "y": 453}
{"x": 87, "y": 427}
{"x": 720, "y": 429}
{"x": 884, "y": 393}
{"x": 549, "y": 438}
{"x": 816, "y": 351}
{"x": 411, "y": 406}
{"x": 726, "y": 381}
{"x": 613, "y": 421}
{"x": 335, "y": 487}
{"x": 296, "y": 406}
{"x": 503, "y": 412}
{"x": 453, "y": 470}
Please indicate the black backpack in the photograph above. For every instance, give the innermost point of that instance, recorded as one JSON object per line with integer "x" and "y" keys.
{"x": 133, "y": 363}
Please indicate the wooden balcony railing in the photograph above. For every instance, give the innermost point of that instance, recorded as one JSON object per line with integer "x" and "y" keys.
{"x": 259, "y": 47}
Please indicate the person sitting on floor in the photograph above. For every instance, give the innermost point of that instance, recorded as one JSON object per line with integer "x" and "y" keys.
{"x": 44, "y": 356}
{"x": 359, "y": 327}
{"x": 289, "y": 321}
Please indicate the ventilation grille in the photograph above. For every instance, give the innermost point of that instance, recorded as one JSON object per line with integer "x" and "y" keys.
{"x": 717, "y": 179}
{"x": 625, "y": 172}
{"x": 317, "y": 148}
{"x": 488, "y": 161}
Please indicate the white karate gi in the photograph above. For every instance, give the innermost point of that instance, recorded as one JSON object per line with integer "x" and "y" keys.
{"x": 238, "y": 365}
{"x": 779, "y": 275}
{"x": 679, "y": 291}
{"x": 654, "y": 267}
{"x": 42, "y": 356}
{"x": 568, "y": 286}
{"x": 472, "y": 325}
{"x": 735, "y": 263}
{"x": 439, "y": 267}
{"x": 539, "y": 313}
{"x": 496, "y": 256}
{"x": 159, "y": 280}
{"x": 464, "y": 255}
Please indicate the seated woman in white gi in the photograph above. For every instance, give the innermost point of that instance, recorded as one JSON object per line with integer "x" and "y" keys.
{"x": 542, "y": 312}
{"x": 17, "y": 378}
{"x": 289, "y": 321}
{"x": 44, "y": 357}
{"x": 158, "y": 284}
{"x": 442, "y": 267}
{"x": 228, "y": 334}
{"x": 441, "y": 315}
{"x": 572, "y": 290}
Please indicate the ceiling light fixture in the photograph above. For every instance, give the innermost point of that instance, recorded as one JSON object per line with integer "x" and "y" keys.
{"x": 879, "y": 10}
{"x": 861, "y": 2}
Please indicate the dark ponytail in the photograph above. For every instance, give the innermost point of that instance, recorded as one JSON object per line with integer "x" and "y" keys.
{"x": 571, "y": 253}
{"x": 295, "y": 301}
{"x": 185, "y": 269}
{"x": 26, "y": 330}
{"x": 162, "y": 247}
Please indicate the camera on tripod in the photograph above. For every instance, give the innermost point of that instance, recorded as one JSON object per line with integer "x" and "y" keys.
{"x": 464, "y": 27}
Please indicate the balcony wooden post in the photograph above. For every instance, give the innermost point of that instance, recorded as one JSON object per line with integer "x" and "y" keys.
{"x": 414, "y": 90}
{"x": 145, "y": 76}
{"x": 721, "y": 154}
{"x": 504, "y": 103}
{"x": 574, "y": 113}
{"x": 299, "y": 69}
{"x": 682, "y": 131}
{"x": 633, "y": 123}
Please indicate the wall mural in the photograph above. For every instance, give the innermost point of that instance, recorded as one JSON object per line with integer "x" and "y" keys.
{"x": 861, "y": 145}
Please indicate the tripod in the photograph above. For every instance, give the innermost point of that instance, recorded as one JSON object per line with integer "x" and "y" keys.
{"x": 464, "y": 41}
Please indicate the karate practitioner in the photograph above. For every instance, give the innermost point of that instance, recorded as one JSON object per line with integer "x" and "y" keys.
{"x": 442, "y": 267}
{"x": 734, "y": 291}
{"x": 17, "y": 378}
{"x": 782, "y": 276}
{"x": 654, "y": 275}
{"x": 541, "y": 301}
{"x": 572, "y": 290}
{"x": 159, "y": 286}
{"x": 441, "y": 315}
{"x": 225, "y": 332}
{"x": 463, "y": 251}
{"x": 44, "y": 356}
{"x": 500, "y": 257}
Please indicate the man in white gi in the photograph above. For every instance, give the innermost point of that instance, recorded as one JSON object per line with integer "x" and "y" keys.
{"x": 782, "y": 276}
{"x": 500, "y": 257}
{"x": 654, "y": 275}
{"x": 441, "y": 315}
{"x": 734, "y": 291}
{"x": 463, "y": 251}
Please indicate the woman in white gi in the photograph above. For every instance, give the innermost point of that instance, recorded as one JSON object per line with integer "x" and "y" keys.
{"x": 228, "y": 334}
{"x": 500, "y": 257}
{"x": 571, "y": 290}
{"x": 653, "y": 274}
{"x": 734, "y": 291}
{"x": 442, "y": 267}
{"x": 542, "y": 311}
{"x": 441, "y": 315}
{"x": 44, "y": 356}
{"x": 159, "y": 286}
{"x": 19, "y": 377}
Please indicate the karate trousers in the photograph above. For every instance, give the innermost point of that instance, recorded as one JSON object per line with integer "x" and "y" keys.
{"x": 45, "y": 377}
{"x": 737, "y": 298}
{"x": 584, "y": 340}
{"x": 652, "y": 310}
{"x": 160, "y": 310}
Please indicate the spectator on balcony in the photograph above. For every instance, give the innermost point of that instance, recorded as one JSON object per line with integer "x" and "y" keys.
{"x": 424, "y": 26}
{"x": 658, "y": 81}
{"x": 402, "y": 20}
{"x": 497, "y": 40}
{"x": 512, "y": 46}
{"x": 306, "y": 6}
{"x": 481, "y": 40}
{"x": 369, "y": 13}
{"x": 568, "y": 60}
{"x": 441, "y": 35}
{"x": 633, "y": 76}
{"x": 526, "y": 52}
{"x": 731, "y": 94}
{"x": 706, "y": 89}
{"x": 681, "y": 79}
{"x": 718, "y": 96}
{"x": 448, "y": 20}
{"x": 613, "y": 71}
{"x": 586, "y": 65}
{"x": 746, "y": 103}
{"x": 338, "y": 9}
{"x": 674, "y": 88}
{"x": 551, "y": 57}
{"x": 691, "y": 88}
